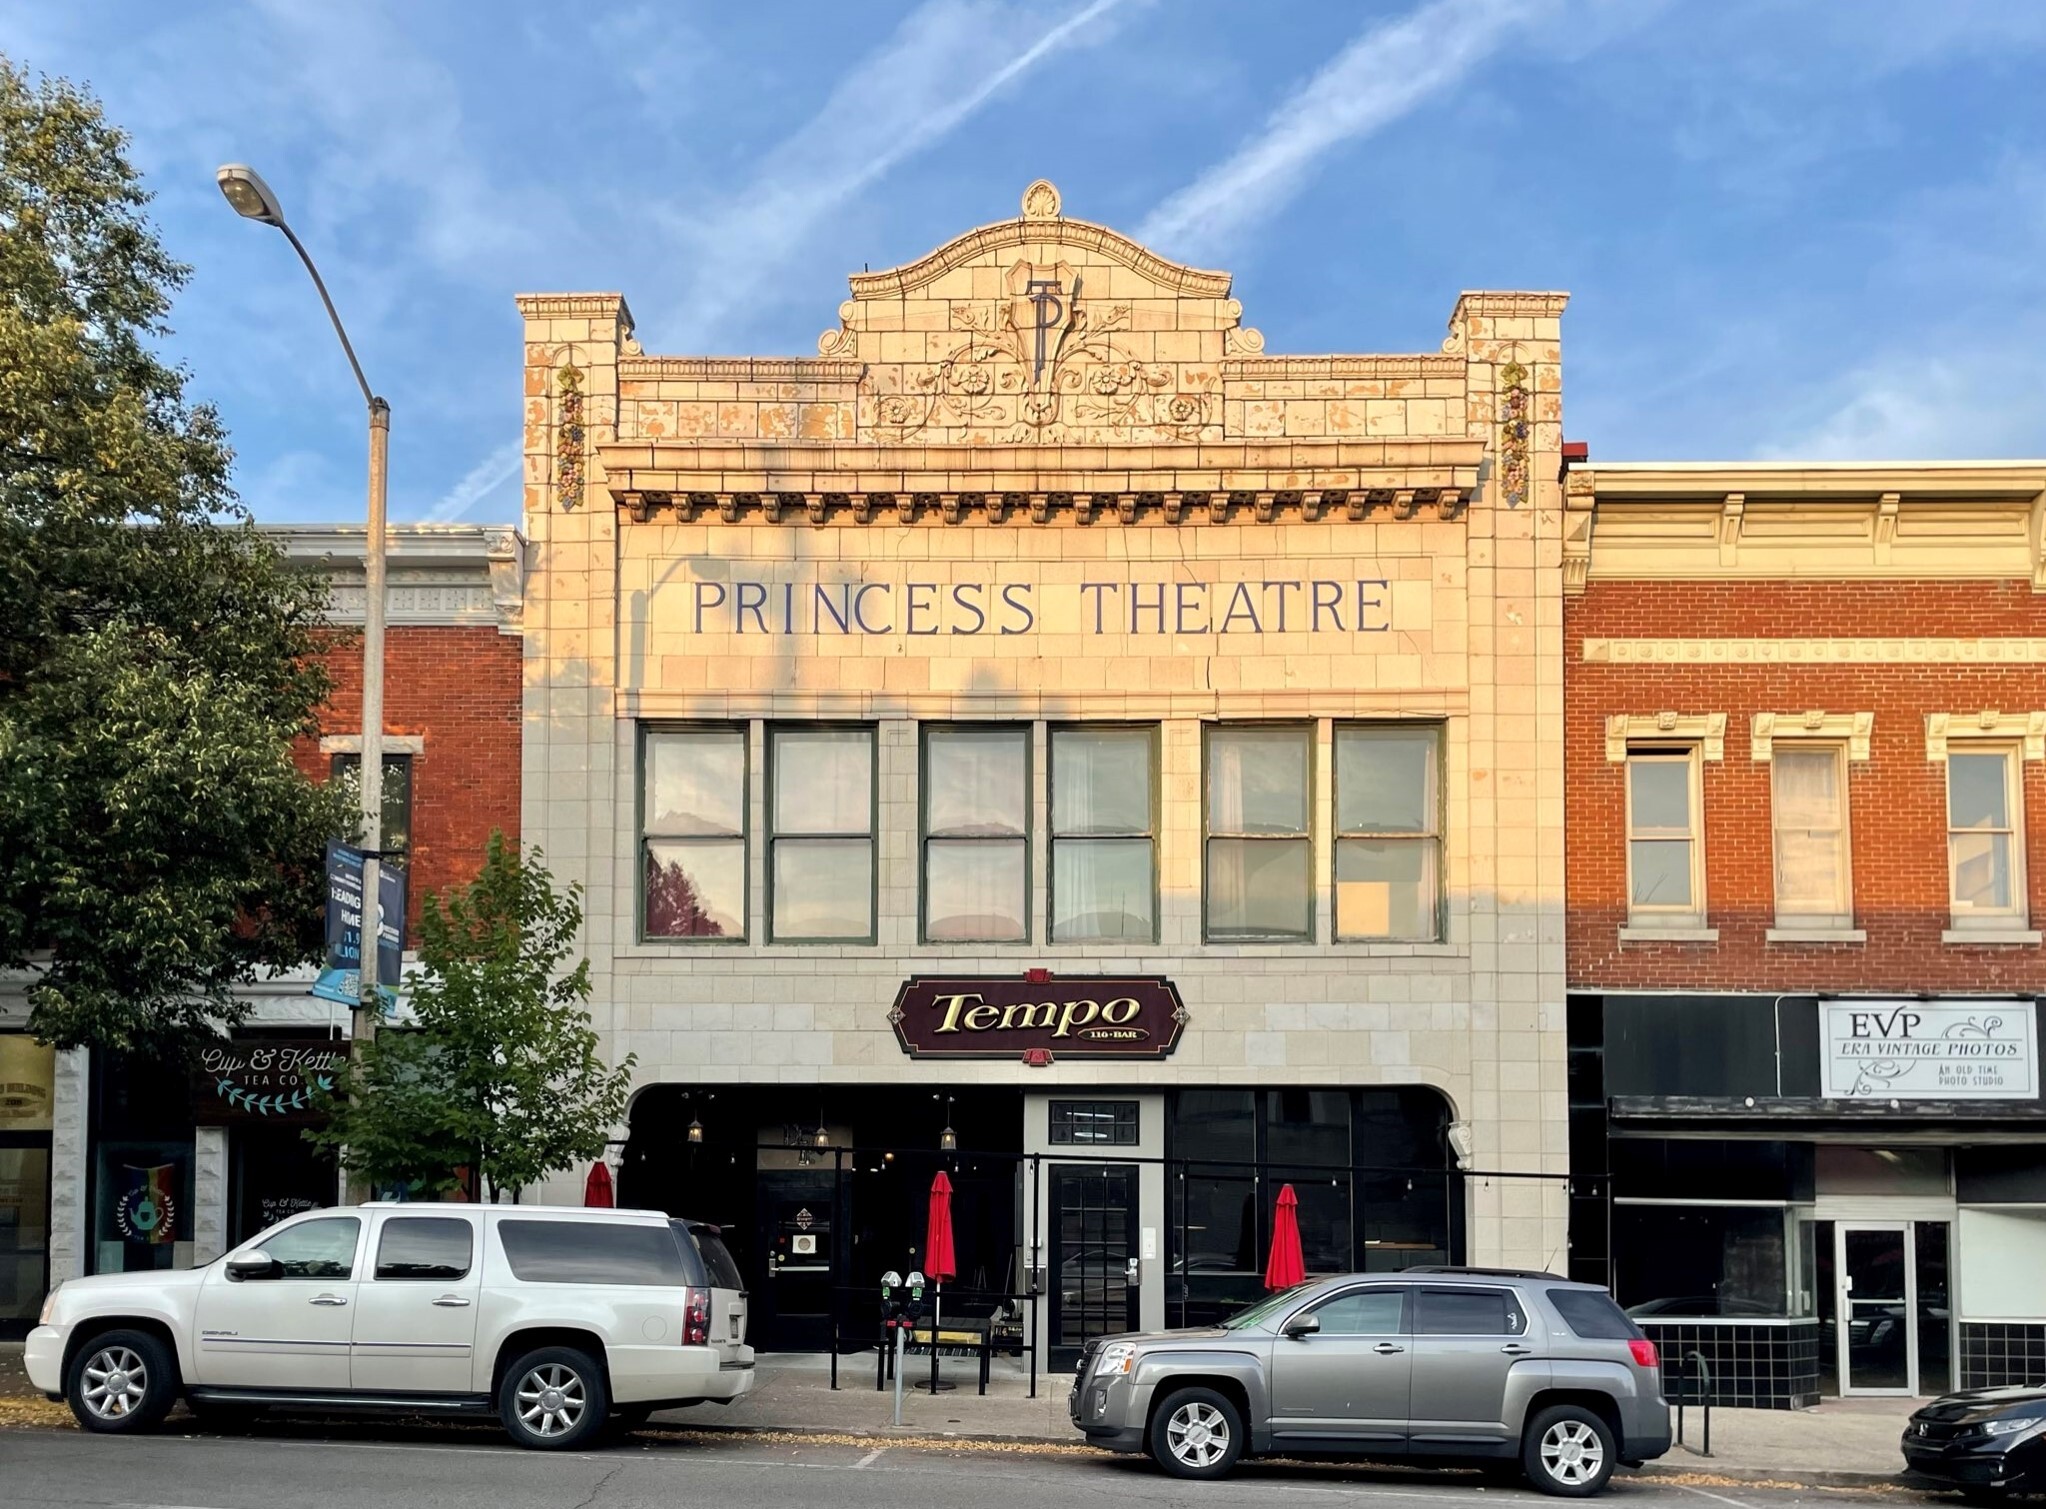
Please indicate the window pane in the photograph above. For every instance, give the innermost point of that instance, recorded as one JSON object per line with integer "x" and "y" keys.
{"x": 1257, "y": 780}
{"x": 977, "y": 782}
{"x": 1215, "y": 1218}
{"x": 1982, "y": 871}
{"x": 1308, "y": 1126}
{"x": 695, "y": 890}
{"x": 1661, "y": 872}
{"x": 1100, "y": 780}
{"x": 1661, "y": 792}
{"x": 823, "y": 780}
{"x": 1707, "y": 1260}
{"x": 974, "y": 891}
{"x": 593, "y": 1252}
{"x": 1385, "y": 780}
{"x": 424, "y": 1247}
{"x": 696, "y": 783}
{"x": 1322, "y": 1212}
{"x": 1977, "y": 794}
{"x": 1807, "y": 788}
{"x": 1808, "y": 869}
{"x": 824, "y": 888}
{"x": 1467, "y": 1312}
{"x": 1215, "y": 1124}
{"x": 1258, "y": 888}
{"x": 1369, "y": 1312}
{"x": 1386, "y": 888}
{"x": 397, "y": 808}
{"x": 1101, "y": 888}
{"x": 315, "y": 1249}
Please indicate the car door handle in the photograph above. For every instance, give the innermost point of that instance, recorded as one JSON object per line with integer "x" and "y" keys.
{"x": 452, "y": 1301}
{"x": 1387, "y": 1348}
{"x": 1515, "y": 1349}
{"x": 328, "y": 1299}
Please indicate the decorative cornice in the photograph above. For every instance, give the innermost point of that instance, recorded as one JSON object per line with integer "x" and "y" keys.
{"x": 1364, "y": 366}
{"x": 1707, "y": 730}
{"x": 1506, "y": 301}
{"x": 574, "y": 306}
{"x": 2028, "y": 728}
{"x": 1852, "y": 729}
{"x": 812, "y": 369}
{"x": 1898, "y": 651}
{"x": 439, "y": 574}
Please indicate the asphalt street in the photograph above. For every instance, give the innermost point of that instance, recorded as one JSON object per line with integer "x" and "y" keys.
{"x": 369, "y": 1467}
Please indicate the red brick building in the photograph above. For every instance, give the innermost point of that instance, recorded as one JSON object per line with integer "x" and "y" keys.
{"x": 1806, "y": 806}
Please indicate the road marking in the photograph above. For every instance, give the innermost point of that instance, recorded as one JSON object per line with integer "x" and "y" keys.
{"x": 1715, "y": 1497}
{"x": 868, "y": 1459}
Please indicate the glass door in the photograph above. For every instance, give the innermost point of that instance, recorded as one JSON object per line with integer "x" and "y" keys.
{"x": 1877, "y": 1341}
{"x": 1093, "y": 1256}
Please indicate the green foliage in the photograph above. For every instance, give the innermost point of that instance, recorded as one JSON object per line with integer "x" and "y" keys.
{"x": 157, "y": 654}
{"x": 500, "y": 1074}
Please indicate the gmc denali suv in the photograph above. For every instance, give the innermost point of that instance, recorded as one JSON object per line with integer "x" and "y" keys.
{"x": 1433, "y": 1364}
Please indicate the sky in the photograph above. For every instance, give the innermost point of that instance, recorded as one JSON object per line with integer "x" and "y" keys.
{"x": 1811, "y": 230}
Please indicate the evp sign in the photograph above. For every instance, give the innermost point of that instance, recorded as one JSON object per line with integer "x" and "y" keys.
{"x": 1929, "y": 1050}
{"x": 1006, "y": 1016}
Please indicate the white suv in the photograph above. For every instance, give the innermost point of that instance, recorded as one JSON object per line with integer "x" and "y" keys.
{"x": 554, "y": 1317}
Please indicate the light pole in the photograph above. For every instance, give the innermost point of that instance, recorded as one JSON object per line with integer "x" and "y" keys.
{"x": 253, "y": 199}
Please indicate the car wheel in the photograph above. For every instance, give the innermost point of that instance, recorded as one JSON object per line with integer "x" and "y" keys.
{"x": 1568, "y": 1451}
{"x": 553, "y": 1399}
{"x": 122, "y": 1381}
{"x": 1196, "y": 1433}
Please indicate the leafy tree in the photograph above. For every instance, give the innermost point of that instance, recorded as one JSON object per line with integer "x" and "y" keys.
{"x": 500, "y": 1074}
{"x": 157, "y": 654}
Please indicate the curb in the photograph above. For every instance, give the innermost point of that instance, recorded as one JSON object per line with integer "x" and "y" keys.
{"x": 1778, "y": 1477}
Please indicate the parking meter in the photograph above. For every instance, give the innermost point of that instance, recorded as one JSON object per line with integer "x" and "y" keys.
{"x": 915, "y": 1307}
{"x": 890, "y": 1306}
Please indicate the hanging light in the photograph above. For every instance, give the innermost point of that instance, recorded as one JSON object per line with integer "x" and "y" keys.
{"x": 823, "y": 1138}
{"x": 948, "y": 1140}
{"x": 695, "y": 1130}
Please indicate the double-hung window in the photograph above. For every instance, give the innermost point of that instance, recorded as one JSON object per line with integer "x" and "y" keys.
{"x": 346, "y": 770}
{"x": 693, "y": 833}
{"x": 1388, "y": 832}
{"x": 1985, "y": 857}
{"x": 1809, "y": 820}
{"x": 821, "y": 834}
{"x": 1665, "y": 838}
{"x": 1104, "y": 844}
{"x": 1260, "y": 860}
{"x": 976, "y": 834}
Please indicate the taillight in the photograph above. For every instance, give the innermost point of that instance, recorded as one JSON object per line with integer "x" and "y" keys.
{"x": 1644, "y": 1352}
{"x": 696, "y": 1317}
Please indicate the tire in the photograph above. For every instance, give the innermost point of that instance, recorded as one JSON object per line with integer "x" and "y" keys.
{"x": 122, "y": 1382}
{"x": 553, "y": 1399}
{"x": 1196, "y": 1433}
{"x": 1568, "y": 1451}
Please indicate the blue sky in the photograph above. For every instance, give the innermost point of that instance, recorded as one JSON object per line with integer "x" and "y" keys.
{"x": 1810, "y": 229}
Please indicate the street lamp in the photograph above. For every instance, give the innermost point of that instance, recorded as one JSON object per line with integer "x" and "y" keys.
{"x": 252, "y": 198}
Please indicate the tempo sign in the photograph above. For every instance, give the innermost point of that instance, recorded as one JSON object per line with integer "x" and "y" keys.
{"x": 1079, "y": 1016}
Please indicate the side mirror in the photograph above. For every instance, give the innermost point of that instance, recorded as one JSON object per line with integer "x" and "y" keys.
{"x": 1302, "y": 1325}
{"x": 247, "y": 1265}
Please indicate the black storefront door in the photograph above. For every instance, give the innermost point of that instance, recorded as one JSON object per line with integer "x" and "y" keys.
{"x": 796, "y": 1239}
{"x": 1093, "y": 1254}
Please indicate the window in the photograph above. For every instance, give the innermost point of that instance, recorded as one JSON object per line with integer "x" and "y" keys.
{"x": 424, "y": 1247}
{"x": 346, "y": 770}
{"x": 1984, "y": 858}
{"x": 1718, "y": 1260}
{"x": 1260, "y": 860}
{"x": 314, "y": 1249}
{"x": 1665, "y": 884}
{"x": 1809, "y": 806}
{"x": 593, "y": 1252}
{"x": 976, "y": 834}
{"x": 1388, "y": 833}
{"x": 693, "y": 824}
{"x": 1104, "y": 859}
{"x": 1363, "y": 1312}
{"x": 821, "y": 854}
{"x": 1079, "y": 1122}
{"x": 1591, "y": 1313}
{"x": 1467, "y": 1312}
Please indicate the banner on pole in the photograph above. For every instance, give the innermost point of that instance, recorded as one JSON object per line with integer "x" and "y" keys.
{"x": 341, "y": 971}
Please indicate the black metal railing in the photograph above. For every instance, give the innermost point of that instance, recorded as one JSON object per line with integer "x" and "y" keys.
{"x": 1695, "y": 1361}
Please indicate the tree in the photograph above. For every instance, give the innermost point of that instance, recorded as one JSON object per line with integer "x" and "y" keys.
{"x": 157, "y": 654}
{"x": 499, "y": 1072}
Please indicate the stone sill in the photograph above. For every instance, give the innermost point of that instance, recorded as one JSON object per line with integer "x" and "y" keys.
{"x": 1816, "y": 935}
{"x": 1669, "y": 935}
{"x": 1995, "y": 937}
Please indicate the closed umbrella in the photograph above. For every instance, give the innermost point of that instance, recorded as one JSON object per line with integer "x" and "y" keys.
{"x": 1286, "y": 1267}
{"x": 597, "y": 1188}
{"x": 939, "y": 1261}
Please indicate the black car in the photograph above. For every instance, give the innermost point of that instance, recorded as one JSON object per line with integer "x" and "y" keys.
{"x": 1986, "y": 1442}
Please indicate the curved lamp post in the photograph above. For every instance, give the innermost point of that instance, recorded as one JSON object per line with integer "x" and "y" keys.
{"x": 252, "y": 199}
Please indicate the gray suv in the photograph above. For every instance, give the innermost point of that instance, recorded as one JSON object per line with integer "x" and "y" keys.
{"x": 1437, "y": 1364}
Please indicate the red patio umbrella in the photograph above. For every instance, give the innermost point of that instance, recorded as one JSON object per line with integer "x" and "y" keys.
{"x": 597, "y": 1188}
{"x": 939, "y": 1262}
{"x": 1286, "y": 1266}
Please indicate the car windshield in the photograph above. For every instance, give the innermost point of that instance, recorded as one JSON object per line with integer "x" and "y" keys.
{"x": 1270, "y": 1305}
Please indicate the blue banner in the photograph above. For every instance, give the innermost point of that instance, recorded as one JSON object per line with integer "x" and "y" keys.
{"x": 341, "y": 972}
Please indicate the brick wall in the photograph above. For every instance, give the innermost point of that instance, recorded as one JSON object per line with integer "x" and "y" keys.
{"x": 458, "y": 691}
{"x": 1896, "y": 798}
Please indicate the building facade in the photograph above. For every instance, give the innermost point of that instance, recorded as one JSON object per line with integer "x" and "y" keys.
{"x": 1806, "y": 744}
{"x": 1046, "y": 736}
{"x": 110, "y": 1163}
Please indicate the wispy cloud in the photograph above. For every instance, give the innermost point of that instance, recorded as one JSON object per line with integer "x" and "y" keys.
{"x": 1378, "y": 78}
{"x": 480, "y": 482}
{"x": 945, "y": 62}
